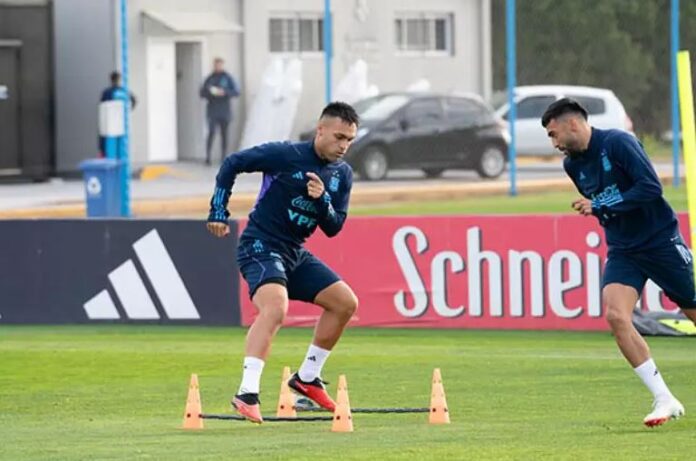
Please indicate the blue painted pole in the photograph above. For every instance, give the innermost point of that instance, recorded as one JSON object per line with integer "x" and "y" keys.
{"x": 510, "y": 41}
{"x": 111, "y": 147}
{"x": 124, "y": 157}
{"x": 328, "y": 48}
{"x": 675, "y": 90}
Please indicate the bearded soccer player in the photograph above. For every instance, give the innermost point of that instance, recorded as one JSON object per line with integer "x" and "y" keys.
{"x": 620, "y": 188}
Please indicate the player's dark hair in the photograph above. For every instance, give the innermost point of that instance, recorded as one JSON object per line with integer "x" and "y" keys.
{"x": 562, "y": 107}
{"x": 115, "y": 77}
{"x": 341, "y": 110}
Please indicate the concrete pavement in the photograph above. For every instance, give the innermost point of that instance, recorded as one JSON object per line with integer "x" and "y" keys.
{"x": 183, "y": 189}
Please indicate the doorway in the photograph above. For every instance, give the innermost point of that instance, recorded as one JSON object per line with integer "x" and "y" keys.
{"x": 10, "y": 120}
{"x": 190, "y": 120}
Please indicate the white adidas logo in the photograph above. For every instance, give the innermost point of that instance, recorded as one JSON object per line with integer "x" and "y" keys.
{"x": 131, "y": 291}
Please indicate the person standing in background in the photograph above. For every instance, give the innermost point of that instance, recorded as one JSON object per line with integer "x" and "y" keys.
{"x": 115, "y": 92}
{"x": 218, "y": 89}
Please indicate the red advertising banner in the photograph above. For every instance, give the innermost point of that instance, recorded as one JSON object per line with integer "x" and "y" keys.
{"x": 504, "y": 272}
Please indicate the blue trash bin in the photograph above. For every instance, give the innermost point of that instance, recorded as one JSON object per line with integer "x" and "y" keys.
{"x": 102, "y": 187}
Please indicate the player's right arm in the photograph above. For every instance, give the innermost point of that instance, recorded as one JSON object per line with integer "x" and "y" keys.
{"x": 582, "y": 205}
{"x": 266, "y": 158}
{"x": 205, "y": 89}
{"x": 571, "y": 173}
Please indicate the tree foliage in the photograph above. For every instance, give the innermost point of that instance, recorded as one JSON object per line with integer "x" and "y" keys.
{"x": 623, "y": 45}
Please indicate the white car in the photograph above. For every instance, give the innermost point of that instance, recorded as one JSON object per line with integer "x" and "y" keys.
{"x": 603, "y": 107}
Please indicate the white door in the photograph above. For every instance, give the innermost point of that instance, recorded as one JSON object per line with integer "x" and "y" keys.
{"x": 161, "y": 101}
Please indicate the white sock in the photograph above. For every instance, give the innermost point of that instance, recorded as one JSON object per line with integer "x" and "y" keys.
{"x": 652, "y": 378}
{"x": 251, "y": 377}
{"x": 313, "y": 363}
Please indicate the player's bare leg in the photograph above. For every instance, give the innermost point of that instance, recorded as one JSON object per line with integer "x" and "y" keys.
{"x": 271, "y": 300}
{"x": 339, "y": 304}
{"x": 691, "y": 314}
{"x": 619, "y": 301}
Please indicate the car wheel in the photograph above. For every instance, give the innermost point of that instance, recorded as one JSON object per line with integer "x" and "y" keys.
{"x": 433, "y": 172}
{"x": 374, "y": 164}
{"x": 491, "y": 163}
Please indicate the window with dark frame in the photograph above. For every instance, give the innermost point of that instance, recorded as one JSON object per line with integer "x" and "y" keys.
{"x": 296, "y": 33}
{"x": 424, "y": 32}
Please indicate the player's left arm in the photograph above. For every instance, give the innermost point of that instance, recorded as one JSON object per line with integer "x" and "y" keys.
{"x": 231, "y": 88}
{"x": 333, "y": 209}
{"x": 628, "y": 154}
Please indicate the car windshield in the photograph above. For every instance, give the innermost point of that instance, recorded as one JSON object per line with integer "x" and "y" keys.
{"x": 379, "y": 108}
{"x": 498, "y": 99}
{"x": 364, "y": 104}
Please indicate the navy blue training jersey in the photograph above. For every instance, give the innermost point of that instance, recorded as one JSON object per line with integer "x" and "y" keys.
{"x": 616, "y": 174}
{"x": 118, "y": 93}
{"x": 284, "y": 213}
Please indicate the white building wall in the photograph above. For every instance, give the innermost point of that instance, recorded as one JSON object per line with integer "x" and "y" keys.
{"x": 364, "y": 29}
{"x": 224, "y": 45}
{"x": 83, "y": 57}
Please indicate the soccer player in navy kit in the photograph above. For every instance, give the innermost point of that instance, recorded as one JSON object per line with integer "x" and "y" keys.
{"x": 620, "y": 188}
{"x": 305, "y": 185}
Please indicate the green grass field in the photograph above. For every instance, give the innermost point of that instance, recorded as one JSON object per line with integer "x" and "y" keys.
{"x": 552, "y": 202}
{"x": 118, "y": 392}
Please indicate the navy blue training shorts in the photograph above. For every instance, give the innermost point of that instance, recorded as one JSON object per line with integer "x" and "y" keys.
{"x": 300, "y": 271}
{"x": 669, "y": 266}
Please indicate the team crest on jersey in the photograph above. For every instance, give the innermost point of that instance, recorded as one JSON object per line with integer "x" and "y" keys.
{"x": 606, "y": 164}
{"x": 334, "y": 182}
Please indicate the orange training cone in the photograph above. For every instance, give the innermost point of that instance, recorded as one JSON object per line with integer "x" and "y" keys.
{"x": 342, "y": 418}
{"x": 439, "y": 414}
{"x": 286, "y": 399}
{"x": 192, "y": 414}
{"x": 342, "y": 391}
